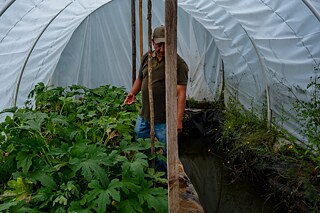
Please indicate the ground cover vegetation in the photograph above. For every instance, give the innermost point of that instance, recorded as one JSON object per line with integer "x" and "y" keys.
{"x": 74, "y": 151}
{"x": 284, "y": 172}
{"x": 287, "y": 170}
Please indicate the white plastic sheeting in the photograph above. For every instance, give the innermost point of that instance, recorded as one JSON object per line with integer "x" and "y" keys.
{"x": 21, "y": 34}
{"x": 99, "y": 51}
{"x": 269, "y": 48}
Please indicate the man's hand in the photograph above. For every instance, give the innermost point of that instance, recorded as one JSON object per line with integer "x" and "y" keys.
{"x": 130, "y": 98}
{"x": 135, "y": 90}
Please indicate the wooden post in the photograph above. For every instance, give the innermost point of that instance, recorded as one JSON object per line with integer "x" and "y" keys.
{"x": 171, "y": 104}
{"x": 141, "y": 29}
{"x": 134, "y": 51}
{"x": 150, "y": 82}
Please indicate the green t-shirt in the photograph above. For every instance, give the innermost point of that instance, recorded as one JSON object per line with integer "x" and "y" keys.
{"x": 158, "y": 86}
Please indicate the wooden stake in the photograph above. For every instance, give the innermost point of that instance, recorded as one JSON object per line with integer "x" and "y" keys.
{"x": 134, "y": 51}
{"x": 141, "y": 29}
{"x": 150, "y": 82}
{"x": 171, "y": 104}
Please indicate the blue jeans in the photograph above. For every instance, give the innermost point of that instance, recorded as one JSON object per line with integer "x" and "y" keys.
{"x": 143, "y": 131}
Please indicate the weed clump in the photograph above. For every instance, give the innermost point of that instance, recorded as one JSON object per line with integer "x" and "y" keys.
{"x": 266, "y": 155}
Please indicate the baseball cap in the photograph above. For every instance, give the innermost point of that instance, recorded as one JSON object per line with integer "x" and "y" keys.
{"x": 159, "y": 34}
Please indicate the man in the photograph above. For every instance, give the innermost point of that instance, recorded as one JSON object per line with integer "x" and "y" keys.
{"x": 158, "y": 86}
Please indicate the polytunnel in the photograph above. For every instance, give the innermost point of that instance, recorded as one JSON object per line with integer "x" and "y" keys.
{"x": 263, "y": 52}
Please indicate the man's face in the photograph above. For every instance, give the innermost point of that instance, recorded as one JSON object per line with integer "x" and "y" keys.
{"x": 159, "y": 49}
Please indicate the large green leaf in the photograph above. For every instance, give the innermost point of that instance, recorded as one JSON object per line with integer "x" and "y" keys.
{"x": 89, "y": 158}
{"x": 113, "y": 189}
{"x": 6, "y": 206}
{"x": 131, "y": 147}
{"x": 27, "y": 209}
{"x": 59, "y": 119}
{"x": 156, "y": 198}
{"x": 104, "y": 196}
{"x": 60, "y": 209}
{"x": 60, "y": 151}
{"x": 129, "y": 205}
{"x": 45, "y": 179}
{"x": 24, "y": 161}
{"x": 34, "y": 121}
{"x": 113, "y": 158}
{"x": 137, "y": 166}
{"x": 90, "y": 168}
{"x": 102, "y": 201}
{"x": 130, "y": 184}
{"x": 42, "y": 196}
{"x": 76, "y": 207}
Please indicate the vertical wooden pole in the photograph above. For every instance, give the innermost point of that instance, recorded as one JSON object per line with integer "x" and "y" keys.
{"x": 141, "y": 29}
{"x": 134, "y": 50}
{"x": 150, "y": 82}
{"x": 171, "y": 103}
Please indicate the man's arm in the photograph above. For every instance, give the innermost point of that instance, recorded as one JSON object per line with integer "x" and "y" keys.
{"x": 181, "y": 92}
{"x": 135, "y": 90}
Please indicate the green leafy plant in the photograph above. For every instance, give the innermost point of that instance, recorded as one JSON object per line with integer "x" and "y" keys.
{"x": 288, "y": 172}
{"x": 245, "y": 130}
{"x": 74, "y": 151}
{"x": 308, "y": 112}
